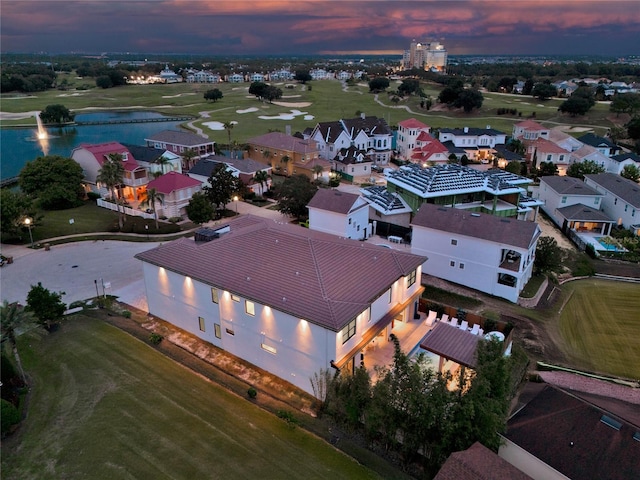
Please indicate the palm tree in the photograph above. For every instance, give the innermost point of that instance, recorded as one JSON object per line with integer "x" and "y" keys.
{"x": 153, "y": 196}
{"x": 261, "y": 177}
{"x": 163, "y": 162}
{"x": 15, "y": 321}
{"x": 187, "y": 158}
{"x": 228, "y": 126}
{"x": 317, "y": 170}
{"x": 111, "y": 174}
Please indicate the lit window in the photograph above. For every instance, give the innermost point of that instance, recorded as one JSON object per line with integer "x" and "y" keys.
{"x": 249, "y": 307}
{"x": 235, "y": 298}
{"x": 214, "y": 295}
{"x": 201, "y": 323}
{"x": 411, "y": 278}
{"x": 216, "y": 328}
{"x": 268, "y": 348}
{"x": 229, "y": 331}
{"x": 349, "y": 331}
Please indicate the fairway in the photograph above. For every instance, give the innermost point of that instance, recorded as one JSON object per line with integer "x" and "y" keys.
{"x": 600, "y": 325}
{"x": 106, "y": 406}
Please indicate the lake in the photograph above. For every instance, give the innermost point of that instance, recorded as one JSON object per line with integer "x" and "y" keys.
{"x": 20, "y": 145}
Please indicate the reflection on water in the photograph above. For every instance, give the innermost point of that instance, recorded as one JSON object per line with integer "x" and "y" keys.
{"x": 20, "y": 145}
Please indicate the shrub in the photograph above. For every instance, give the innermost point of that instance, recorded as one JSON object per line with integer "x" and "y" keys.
{"x": 252, "y": 392}
{"x": 490, "y": 325}
{"x": 93, "y": 195}
{"x": 126, "y": 314}
{"x": 155, "y": 338}
{"x": 9, "y": 415}
{"x": 175, "y": 219}
{"x": 288, "y": 417}
{"x": 590, "y": 250}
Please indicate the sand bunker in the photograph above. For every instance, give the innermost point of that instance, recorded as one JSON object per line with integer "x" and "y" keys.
{"x": 291, "y": 96}
{"x": 18, "y": 116}
{"x": 70, "y": 95}
{"x": 247, "y": 110}
{"x": 178, "y": 95}
{"x": 293, "y": 105}
{"x": 283, "y": 116}
{"x": 309, "y": 117}
{"x": 217, "y": 125}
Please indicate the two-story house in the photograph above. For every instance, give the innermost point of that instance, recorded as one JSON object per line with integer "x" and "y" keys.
{"x": 243, "y": 168}
{"x": 339, "y": 213}
{"x": 604, "y": 145}
{"x": 621, "y": 200}
{"x": 180, "y": 142}
{"x": 290, "y": 318}
{"x": 371, "y": 134}
{"x": 488, "y": 253}
{"x": 352, "y": 163}
{"x": 176, "y": 190}
{"x": 478, "y": 143}
{"x": 429, "y": 151}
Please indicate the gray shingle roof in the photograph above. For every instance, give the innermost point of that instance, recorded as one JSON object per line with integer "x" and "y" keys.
{"x": 569, "y": 185}
{"x": 175, "y": 137}
{"x": 312, "y": 275}
{"x": 333, "y": 200}
{"x": 144, "y": 154}
{"x": 507, "y": 231}
{"x": 281, "y": 141}
{"x": 623, "y": 188}
{"x": 597, "y": 141}
{"x": 583, "y": 213}
{"x": 621, "y": 157}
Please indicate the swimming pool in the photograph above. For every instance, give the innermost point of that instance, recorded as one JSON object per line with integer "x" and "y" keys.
{"x": 608, "y": 244}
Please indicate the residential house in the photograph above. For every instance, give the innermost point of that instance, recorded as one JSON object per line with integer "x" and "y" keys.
{"x": 166, "y": 76}
{"x": 203, "y": 76}
{"x": 288, "y": 154}
{"x": 622, "y": 160}
{"x": 493, "y": 191}
{"x": 542, "y": 150}
{"x": 291, "y": 318}
{"x": 478, "y": 463}
{"x": 339, "y": 213}
{"x": 320, "y": 74}
{"x": 565, "y": 88}
{"x": 564, "y": 140}
{"x": 604, "y": 145}
{"x": 155, "y": 160}
{"x": 176, "y": 190}
{"x": 478, "y": 143}
{"x": 574, "y": 206}
{"x": 587, "y": 152}
{"x": 621, "y": 200}
{"x": 92, "y": 157}
{"x": 257, "y": 77}
{"x": 571, "y": 435}
{"x": 352, "y": 163}
{"x": 180, "y": 142}
{"x": 385, "y": 209}
{"x": 243, "y": 168}
{"x": 235, "y": 78}
{"x": 429, "y": 151}
{"x": 488, "y": 253}
{"x": 530, "y": 130}
{"x": 408, "y": 132}
{"x": 371, "y": 134}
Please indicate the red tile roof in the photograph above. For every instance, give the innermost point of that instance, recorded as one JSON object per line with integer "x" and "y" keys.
{"x": 102, "y": 150}
{"x": 545, "y": 146}
{"x": 172, "y": 181}
{"x": 412, "y": 123}
{"x": 452, "y": 343}
{"x": 531, "y": 126}
{"x": 478, "y": 463}
{"x": 311, "y": 275}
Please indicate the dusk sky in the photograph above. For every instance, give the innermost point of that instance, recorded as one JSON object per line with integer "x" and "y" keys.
{"x": 302, "y": 27}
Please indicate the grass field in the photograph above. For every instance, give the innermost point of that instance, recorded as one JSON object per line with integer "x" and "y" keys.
{"x": 106, "y": 406}
{"x": 327, "y": 102}
{"x": 600, "y": 325}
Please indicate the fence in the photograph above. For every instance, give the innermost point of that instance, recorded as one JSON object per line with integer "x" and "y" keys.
{"x": 127, "y": 210}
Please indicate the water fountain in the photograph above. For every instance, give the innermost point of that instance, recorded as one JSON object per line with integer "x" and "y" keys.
{"x": 43, "y": 137}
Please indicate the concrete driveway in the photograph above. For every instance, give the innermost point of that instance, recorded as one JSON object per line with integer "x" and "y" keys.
{"x": 75, "y": 268}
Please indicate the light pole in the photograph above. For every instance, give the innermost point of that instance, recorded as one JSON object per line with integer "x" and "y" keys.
{"x": 28, "y": 221}
{"x": 235, "y": 199}
{"x": 146, "y": 227}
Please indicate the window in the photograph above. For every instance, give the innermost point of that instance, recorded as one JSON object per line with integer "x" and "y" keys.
{"x": 249, "y": 307}
{"x": 230, "y": 331}
{"x": 454, "y": 241}
{"x": 615, "y": 201}
{"x": 349, "y": 331}
{"x": 561, "y": 158}
{"x": 548, "y": 158}
{"x": 452, "y": 263}
{"x": 626, "y": 207}
{"x": 564, "y": 199}
{"x": 235, "y": 298}
{"x": 201, "y": 323}
{"x": 462, "y": 266}
{"x": 214, "y": 295}
{"x": 216, "y": 328}
{"x": 268, "y": 348}
{"x": 411, "y": 278}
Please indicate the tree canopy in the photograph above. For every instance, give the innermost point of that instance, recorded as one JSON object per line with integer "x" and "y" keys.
{"x": 409, "y": 86}
{"x": 586, "y": 167}
{"x": 258, "y": 89}
{"x": 111, "y": 176}
{"x": 378, "y": 84}
{"x": 631, "y": 172}
{"x": 15, "y": 207}
{"x": 633, "y": 128}
{"x": 221, "y": 187}
{"x": 468, "y": 99}
{"x": 302, "y": 76}
{"x": 214, "y": 94}
{"x": 54, "y": 180}
{"x": 46, "y": 306}
{"x": 56, "y": 115}
{"x": 199, "y": 210}
{"x": 294, "y": 194}
{"x": 625, "y": 103}
{"x": 544, "y": 91}
{"x": 548, "y": 255}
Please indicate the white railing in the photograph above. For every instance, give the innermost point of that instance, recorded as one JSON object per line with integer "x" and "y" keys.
{"x": 135, "y": 182}
{"x": 127, "y": 210}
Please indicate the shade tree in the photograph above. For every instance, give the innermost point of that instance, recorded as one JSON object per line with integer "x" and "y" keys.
{"x": 55, "y": 181}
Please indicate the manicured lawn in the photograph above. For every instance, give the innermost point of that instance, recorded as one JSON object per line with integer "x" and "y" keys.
{"x": 532, "y": 286}
{"x": 600, "y": 325}
{"x": 105, "y": 405}
{"x": 86, "y": 219}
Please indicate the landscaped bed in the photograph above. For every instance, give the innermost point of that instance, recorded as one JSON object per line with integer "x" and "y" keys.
{"x": 105, "y": 405}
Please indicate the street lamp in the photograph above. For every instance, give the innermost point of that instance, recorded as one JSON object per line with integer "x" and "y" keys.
{"x": 28, "y": 221}
{"x": 235, "y": 199}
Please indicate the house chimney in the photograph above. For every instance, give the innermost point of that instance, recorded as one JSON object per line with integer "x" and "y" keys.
{"x": 363, "y": 115}
{"x": 466, "y": 129}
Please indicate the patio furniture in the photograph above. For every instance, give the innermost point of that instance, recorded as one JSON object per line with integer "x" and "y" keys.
{"x": 475, "y": 329}
{"x": 454, "y": 321}
{"x": 432, "y": 317}
{"x": 464, "y": 325}
{"x": 445, "y": 318}
{"x": 480, "y": 332}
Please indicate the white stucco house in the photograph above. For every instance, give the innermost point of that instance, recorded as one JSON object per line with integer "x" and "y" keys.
{"x": 339, "y": 213}
{"x": 558, "y": 192}
{"x": 408, "y": 132}
{"x": 478, "y": 143}
{"x": 285, "y": 298}
{"x": 621, "y": 200}
{"x": 481, "y": 251}
{"x": 176, "y": 190}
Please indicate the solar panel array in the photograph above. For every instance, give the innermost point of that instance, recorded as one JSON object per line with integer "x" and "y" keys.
{"x": 379, "y": 196}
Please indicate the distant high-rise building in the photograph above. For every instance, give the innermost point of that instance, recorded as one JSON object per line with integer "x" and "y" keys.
{"x": 429, "y": 56}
